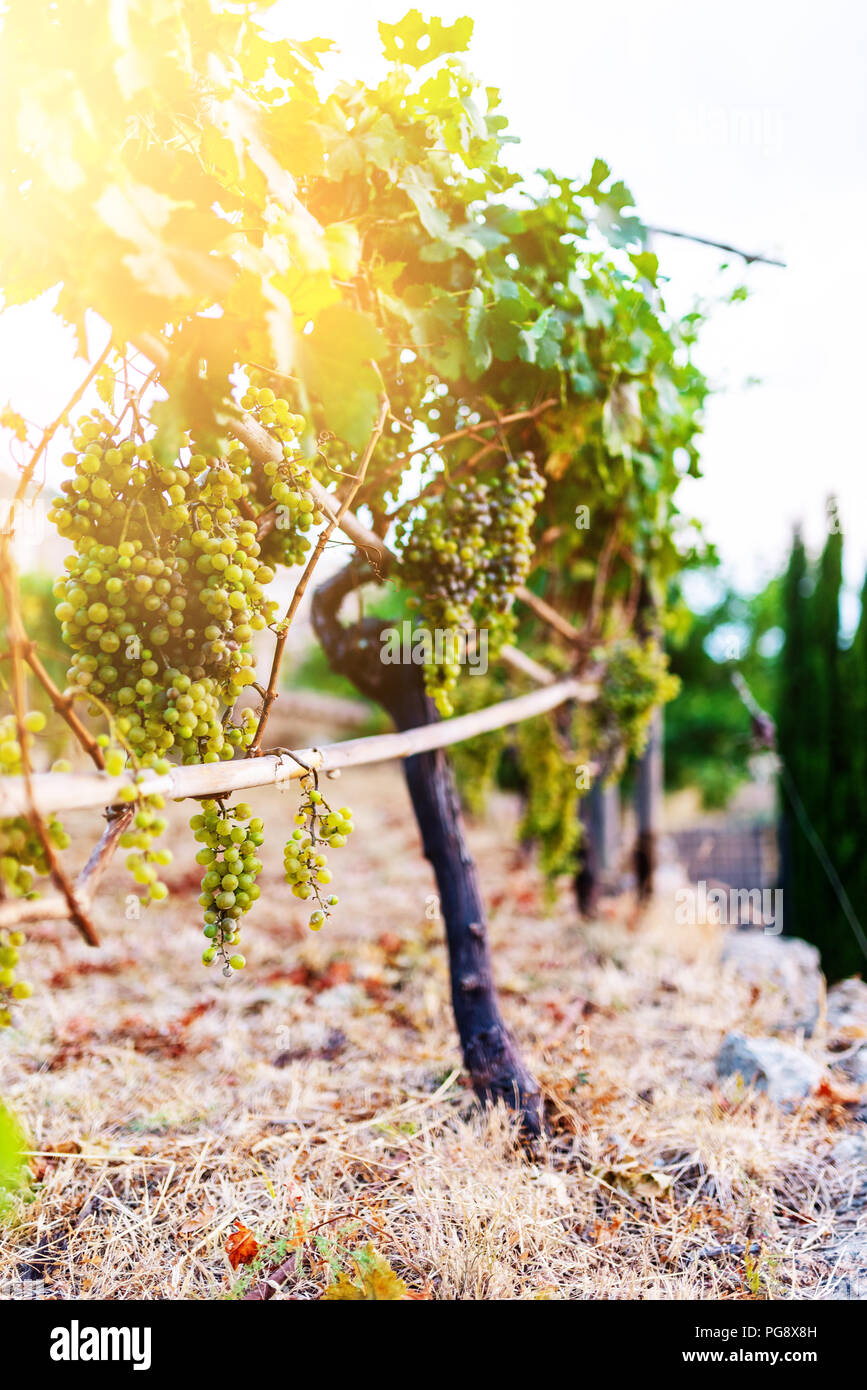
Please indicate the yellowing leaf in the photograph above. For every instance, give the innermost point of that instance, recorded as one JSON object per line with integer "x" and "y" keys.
{"x": 375, "y": 1280}
{"x": 416, "y": 41}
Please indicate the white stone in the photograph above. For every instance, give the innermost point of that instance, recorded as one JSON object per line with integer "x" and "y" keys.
{"x": 783, "y": 1071}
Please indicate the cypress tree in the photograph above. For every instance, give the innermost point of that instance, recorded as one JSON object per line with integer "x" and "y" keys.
{"x": 792, "y": 736}
{"x": 815, "y": 727}
{"x": 855, "y": 876}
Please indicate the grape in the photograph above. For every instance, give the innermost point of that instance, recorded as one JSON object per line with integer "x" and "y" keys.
{"x": 163, "y": 596}
{"x": 159, "y": 605}
{"x": 304, "y": 864}
{"x": 636, "y": 680}
{"x": 22, "y": 853}
{"x": 280, "y": 487}
{"x": 231, "y": 837}
{"x": 12, "y": 990}
{"x": 465, "y": 556}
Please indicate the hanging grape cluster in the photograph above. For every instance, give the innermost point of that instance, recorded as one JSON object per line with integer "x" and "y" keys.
{"x": 305, "y": 864}
{"x": 230, "y": 837}
{"x": 162, "y": 594}
{"x": 22, "y": 858}
{"x": 22, "y": 854}
{"x": 636, "y": 680}
{"x": 12, "y": 990}
{"x": 281, "y": 488}
{"x": 144, "y": 860}
{"x": 465, "y": 557}
{"x": 549, "y": 757}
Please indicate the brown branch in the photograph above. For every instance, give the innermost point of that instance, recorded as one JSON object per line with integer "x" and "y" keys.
{"x": 271, "y": 693}
{"x": 548, "y": 614}
{"x": 118, "y": 819}
{"x": 443, "y": 479}
{"x": 600, "y": 583}
{"x": 63, "y": 704}
{"x": 632, "y": 601}
{"x": 471, "y": 430}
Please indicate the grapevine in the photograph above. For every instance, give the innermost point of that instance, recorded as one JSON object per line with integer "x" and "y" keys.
{"x": 360, "y": 273}
{"x": 21, "y": 852}
{"x": 162, "y": 594}
{"x": 12, "y": 990}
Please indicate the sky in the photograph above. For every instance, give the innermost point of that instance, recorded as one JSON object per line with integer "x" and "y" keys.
{"x": 745, "y": 123}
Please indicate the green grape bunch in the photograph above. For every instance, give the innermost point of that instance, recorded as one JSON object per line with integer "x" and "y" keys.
{"x": 305, "y": 863}
{"x": 22, "y": 853}
{"x": 22, "y": 856}
{"x": 162, "y": 595}
{"x": 12, "y": 990}
{"x": 466, "y": 555}
{"x": 636, "y": 680}
{"x": 148, "y": 823}
{"x": 231, "y": 837}
{"x": 286, "y": 483}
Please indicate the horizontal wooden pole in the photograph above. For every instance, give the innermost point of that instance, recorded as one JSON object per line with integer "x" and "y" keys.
{"x": 79, "y": 791}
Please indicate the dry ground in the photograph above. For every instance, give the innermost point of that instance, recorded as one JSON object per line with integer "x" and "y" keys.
{"x": 318, "y": 1097}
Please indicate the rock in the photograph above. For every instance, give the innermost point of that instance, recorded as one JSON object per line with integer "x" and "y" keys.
{"x": 847, "y": 1029}
{"x": 783, "y": 964}
{"x": 847, "y": 1269}
{"x": 783, "y": 1071}
{"x": 847, "y": 1008}
{"x": 853, "y": 1064}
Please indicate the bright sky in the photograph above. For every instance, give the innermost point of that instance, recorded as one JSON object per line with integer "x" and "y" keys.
{"x": 746, "y": 123}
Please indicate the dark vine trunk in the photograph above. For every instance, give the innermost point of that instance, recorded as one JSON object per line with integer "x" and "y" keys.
{"x": 648, "y": 805}
{"x": 490, "y": 1055}
{"x": 588, "y": 880}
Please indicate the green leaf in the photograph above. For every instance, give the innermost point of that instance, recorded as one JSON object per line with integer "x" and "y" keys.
{"x": 14, "y": 1173}
{"x": 647, "y": 265}
{"x": 335, "y": 363}
{"x": 481, "y": 355}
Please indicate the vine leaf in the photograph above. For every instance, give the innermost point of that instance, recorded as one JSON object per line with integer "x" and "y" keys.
{"x": 417, "y": 41}
{"x": 336, "y": 360}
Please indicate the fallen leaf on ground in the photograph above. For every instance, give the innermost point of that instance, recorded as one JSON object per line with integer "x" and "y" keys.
{"x": 374, "y": 1280}
{"x": 632, "y": 1178}
{"x": 242, "y": 1246}
{"x": 198, "y": 1222}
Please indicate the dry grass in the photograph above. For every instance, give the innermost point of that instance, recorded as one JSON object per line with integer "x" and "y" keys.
{"x": 318, "y": 1097}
